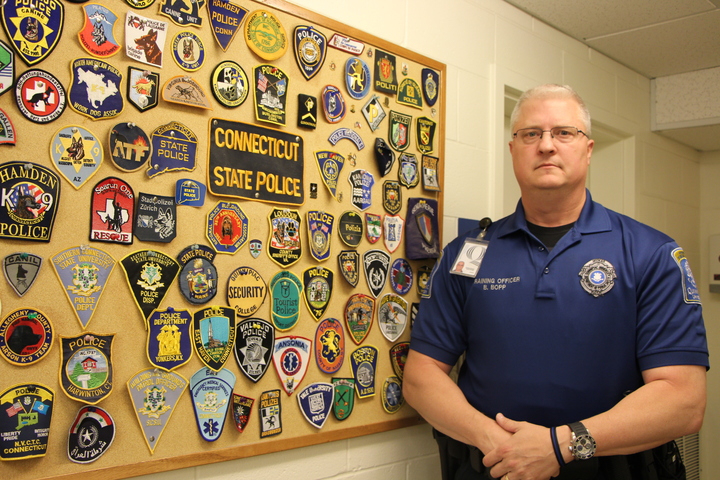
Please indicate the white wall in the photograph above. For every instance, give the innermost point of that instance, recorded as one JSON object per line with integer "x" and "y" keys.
{"x": 489, "y": 46}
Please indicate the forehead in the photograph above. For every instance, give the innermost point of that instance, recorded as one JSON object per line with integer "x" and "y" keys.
{"x": 549, "y": 112}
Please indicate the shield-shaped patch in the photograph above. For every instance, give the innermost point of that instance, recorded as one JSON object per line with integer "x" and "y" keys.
{"x": 398, "y": 357}
{"x": 254, "y": 345}
{"x": 393, "y": 231}
{"x": 373, "y": 227}
{"x": 21, "y": 270}
{"x": 86, "y": 369}
{"x": 377, "y": 264}
{"x": 344, "y": 400}
{"x": 392, "y": 316}
{"x": 211, "y": 393}
{"x": 316, "y": 401}
{"x": 361, "y": 183}
{"x": 408, "y": 172}
{"x": 112, "y": 211}
{"x": 214, "y": 335}
{"x": 241, "y": 409}
{"x": 29, "y": 409}
{"x": 291, "y": 357}
{"x": 198, "y": 277}
{"x": 399, "y": 130}
{"x": 169, "y": 341}
{"x": 284, "y": 245}
{"x": 349, "y": 261}
{"x": 359, "y": 313}
{"x": 318, "y": 288}
{"x": 364, "y": 367}
{"x": 310, "y": 50}
{"x": 320, "y": 226}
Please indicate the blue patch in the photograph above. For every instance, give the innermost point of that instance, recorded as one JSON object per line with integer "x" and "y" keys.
{"x": 169, "y": 343}
{"x": 211, "y": 394}
{"x": 430, "y": 80}
{"x": 225, "y": 20}
{"x": 33, "y": 31}
{"x": 95, "y": 91}
{"x": 310, "y": 50}
{"x": 691, "y": 294}
{"x": 364, "y": 367}
{"x": 357, "y": 78}
{"x": 190, "y": 192}
{"x": 316, "y": 401}
{"x": 174, "y": 147}
{"x": 333, "y": 104}
{"x": 362, "y": 182}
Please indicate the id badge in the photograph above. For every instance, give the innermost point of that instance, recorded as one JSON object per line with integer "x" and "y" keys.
{"x": 468, "y": 261}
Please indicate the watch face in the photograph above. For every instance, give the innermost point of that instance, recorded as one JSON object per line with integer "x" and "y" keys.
{"x": 583, "y": 447}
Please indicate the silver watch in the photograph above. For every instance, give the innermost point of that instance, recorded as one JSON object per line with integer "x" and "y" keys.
{"x": 583, "y": 444}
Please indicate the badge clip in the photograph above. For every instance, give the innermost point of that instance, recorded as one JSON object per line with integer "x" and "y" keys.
{"x": 468, "y": 261}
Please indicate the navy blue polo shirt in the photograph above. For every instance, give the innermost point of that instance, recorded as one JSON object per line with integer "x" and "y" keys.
{"x": 556, "y": 337}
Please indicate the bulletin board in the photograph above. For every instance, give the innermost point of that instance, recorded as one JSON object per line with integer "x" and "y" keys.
{"x": 294, "y": 186}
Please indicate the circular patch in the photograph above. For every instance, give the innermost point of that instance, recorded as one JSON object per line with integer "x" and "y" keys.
{"x": 40, "y": 96}
{"x": 130, "y": 146}
{"x": 597, "y": 277}
{"x": 229, "y": 84}
{"x": 198, "y": 280}
{"x": 392, "y": 397}
{"x": 246, "y": 291}
{"x": 188, "y": 51}
{"x": 351, "y": 228}
{"x": 401, "y": 276}
{"x": 291, "y": 362}
{"x": 26, "y": 336}
{"x": 265, "y": 35}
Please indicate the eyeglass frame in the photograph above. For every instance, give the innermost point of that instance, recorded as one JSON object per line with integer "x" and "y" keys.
{"x": 515, "y": 135}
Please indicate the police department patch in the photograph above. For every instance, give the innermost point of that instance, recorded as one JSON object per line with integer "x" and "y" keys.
{"x": 597, "y": 277}
{"x": 691, "y": 293}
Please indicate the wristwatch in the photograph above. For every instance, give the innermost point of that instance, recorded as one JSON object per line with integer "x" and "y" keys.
{"x": 583, "y": 444}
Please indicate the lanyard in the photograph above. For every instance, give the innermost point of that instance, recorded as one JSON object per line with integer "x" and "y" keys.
{"x": 468, "y": 260}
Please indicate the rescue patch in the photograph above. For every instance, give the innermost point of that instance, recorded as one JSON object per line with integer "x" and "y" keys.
{"x": 265, "y": 35}
{"x": 430, "y": 80}
{"x": 330, "y": 164}
{"x": 21, "y": 270}
{"x": 392, "y": 316}
{"x": 361, "y": 183}
{"x": 285, "y": 291}
{"x": 398, "y": 357}
{"x": 229, "y": 83}
{"x": 333, "y": 104}
{"x": 349, "y": 262}
{"x": 174, "y": 148}
{"x": 373, "y": 112}
{"x": 112, "y": 211}
{"x": 691, "y": 293}
{"x": 357, "y": 78}
{"x": 95, "y": 89}
{"x": 156, "y": 218}
{"x": 129, "y": 146}
{"x": 76, "y": 153}
{"x": 96, "y": 36}
{"x": 409, "y": 94}
{"x": 183, "y": 13}
{"x": 169, "y": 339}
{"x": 40, "y": 96}
{"x": 377, "y": 264}
{"x": 291, "y": 357}
{"x": 241, "y": 409}
{"x": 25, "y": 428}
{"x": 318, "y": 282}
{"x": 307, "y": 111}
{"x": 316, "y": 401}
{"x": 384, "y": 156}
{"x": 83, "y": 272}
{"x": 385, "y": 76}
{"x": 86, "y": 368}
{"x": 271, "y": 87}
{"x": 401, "y": 276}
{"x": 188, "y": 51}
{"x": 254, "y": 344}
{"x": 145, "y": 39}
{"x": 408, "y": 173}
{"x": 310, "y": 50}
{"x": 149, "y": 274}
{"x": 329, "y": 345}
{"x": 430, "y": 173}
{"x": 320, "y": 226}
{"x": 399, "y": 131}
{"x": 597, "y": 277}
{"x": 155, "y": 394}
{"x": 344, "y": 399}
{"x": 214, "y": 335}
{"x": 227, "y": 227}
{"x": 393, "y": 226}
{"x": 26, "y": 336}
{"x": 34, "y": 30}
{"x": 373, "y": 227}
{"x": 225, "y": 20}
{"x": 364, "y": 367}
{"x": 7, "y": 130}
{"x": 211, "y": 393}
{"x": 142, "y": 88}
{"x": 246, "y": 291}
{"x": 189, "y": 192}
{"x": 270, "y": 414}
{"x": 359, "y": 313}
{"x": 392, "y": 397}
{"x": 29, "y": 203}
{"x": 185, "y": 90}
{"x": 91, "y": 434}
{"x": 350, "y": 228}
{"x": 284, "y": 244}
{"x": 425, "y": 135}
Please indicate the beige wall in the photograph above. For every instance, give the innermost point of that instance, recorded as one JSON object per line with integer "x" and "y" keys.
{"x": 491, "y": 47}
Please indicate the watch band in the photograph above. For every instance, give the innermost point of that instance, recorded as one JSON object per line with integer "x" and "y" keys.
{"x": 583, "y": 445}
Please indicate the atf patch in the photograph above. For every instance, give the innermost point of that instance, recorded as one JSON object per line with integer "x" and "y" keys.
{"x": 149, "y": 274}
{"x": 318, "y": 289}
{"x": 430, "y": 173}
{"x": 316, "y": 401}
{"x": 329, "y": 345}
{"x": 255, "y": 247}
{"x": 184, "y": 90}
{"x": 364, "y": 367}
{"x": 174, "y": 147}
{"x": 95, "y": 89}
{"x": 7, "y": 130}
{"x": 409, "y": 94}
{"x": 350, "y": 228}
{"x": 142, "y": 88}
{"x": 691, "y": 293}
{"x": 310, "y": 50}
{"x": 112, "y": 211}
{"x": 330, "y": 164}
{"x": 25, "y": 428}
{"x": 384, "y": 156}
{"x": 344, "y": 398}
{"x": 21, "y": 270}
{"x": 227, "y": 227}
{"x": 373, "y": 112}
{"x": 7, "y": 67}
{"x": 373, "y": 227}
{"x": 357, "y": 78}
{"x": 597, "y": 277}
{"x": 425, "y": 134}
{"x": 385, "y": 76}
{"x": 229, "y": 83}
{"x": 29, "y": 202}
{"x": 392, "y": 316}
{"x": 214, "y": 335}
{"x": 359, "y": 313}
{"x": 333, "y": 104}
{"x": 265, "y": 35}
{"x": 241, "y": 409}
{"x": 270, "y": 414}
{"x": 183, "y": 13}
{"x": 346, "y": 44}
{"x": 349, "y": 262}
{"x": 40, "y": 96}
{"x": 26, "y": 336}
{"x": 392, "y": 197}
{"x": 77, "y": 154}
{"x": 91, "y": 434}
{"x": 430, "y": 80}
{"x": 284, "y": 246}
{"x": 271, "y": 86}
{"x": 398, "y": 357}
{"x": 246, "y": 291}
{"x": 401, "y": 276}
{"x": 198, "y": 276}
{"x": 377, "y": 264}
{"x": 393, "y": 231}
{"x": 399, "y": 131}
{"x": 285, "y": 291}
{"x": 97, "y": 37}
{"x": 307, "y": 111}
{"x": 169, "y": 340}
{"x": 189, "y": 192}
{"x": 408, "y": 173}
{"x": 361, "y": 182}
{"x": 188, "y": 50}
{"x": 34, "y": 30}
{"x": 291, "y": 357}
{"x": 83, "y": 272}
{"x": 155, "y": 219}
{"x": 154, "y": 394}
{"x": 254, "y": 345}
{"x": 392, "y": 397}
{"x": 211, "y": 393}
{"x": 320, "y": 226}
{"x": 225, "y": 20}
{"x": 129, "y": 146}
{"x": 145, "y": 38}
{"x": 86, "y": 369}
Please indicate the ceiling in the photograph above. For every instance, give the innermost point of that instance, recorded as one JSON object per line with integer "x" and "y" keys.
{"x": 653, "y": 38}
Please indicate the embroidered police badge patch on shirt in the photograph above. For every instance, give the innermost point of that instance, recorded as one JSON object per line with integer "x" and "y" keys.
{"x": 597, "y": 277}
{"x": 690, "y": 288}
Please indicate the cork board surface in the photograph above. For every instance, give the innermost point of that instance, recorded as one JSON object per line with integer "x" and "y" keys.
{"x": 116, "y": 313}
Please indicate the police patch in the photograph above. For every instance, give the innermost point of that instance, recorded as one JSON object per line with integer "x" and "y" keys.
{"x": 284, "y": 245}
{"x": 21, "y": 270}
{"x": 185, "y": 90}
{"x": 315, "y": 402}
{"x": 392, "y": 197}
{"x": 241, "y": 409}
{"x": 227, "y": 227}
{"x": 254, "y": 345}
{"x": 156, "y": 218}
{"x": 430, "y": 80}
{"x": 230, "y": 84}
{"x": 77, "y": 154}
{"x": 183, "y": 13}
{"x": 246, "y": 291}
{"x": 7, "y": 67}
{"x": 409, "y": 94}
{"x": 401, "y": 276}
{"x": 361, "y": 182}
{"x": 373, "y": 112}
{"x": 392, "y": 397}
{"x": 392, "y": 316}
{"x": 96, "y": 36}
{"x": 211, "y": 393}
{"x": 320, "y": 225}
{"x": 385, "y": 76}
{"x": 34, "y": 30}
{"x": 430, "y": 173}
{"x": 393, "y": 226}
{"x": 86, "y": 369}
{"x": 399, "y": 131}
{"x": 112, "y": 212}
{"x": 225, "y": 20}
{"x": 188, "y": 51}
{"x": 7, "y": 129}
{"x": 145, "y": 38}
{"x": 149, "y": 274}
{"x": 329, "y": 345}
{"x": 691, "y": 294}
{"x": 214, "y": 335}
{"x": 373, "y": 227}
{"x": 271, "y": 88}
{"x": 349, "y": 261}
{"x": 310, "y": 50}
{"x": 359, "y": 313}
{"x": 408, "y": 174}
{"x": 351, "y": 228}
{"x": 330, "y": 164}
{"x": 174, "y": 147}
{"x": 364, "y": 367}
{"x": 28, "y": 413}
{"x": 270, "y": 414}
{"x": 189, "y": 192}
{"x": 384, "y": 156}
{"x": 597, "y": 277}
{"x": 344, "y": 399}
{"x": 377, "y": 264}
{"x": 398, "y": 357}
{"x": 285, "y": 291}
{"x": 333, "y": 104}
{"x": 425, "y": 134}
{"x": 198, "y": 277}
{"x": 169, "y": 340}
{"x": 26, "y": 336}
{"x": 265, "y": 35}
{"x": 317, "y": 291}
{"x": 91, "y": 434}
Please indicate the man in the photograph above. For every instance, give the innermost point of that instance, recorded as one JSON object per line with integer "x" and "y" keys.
{"x": 582, "y": 328}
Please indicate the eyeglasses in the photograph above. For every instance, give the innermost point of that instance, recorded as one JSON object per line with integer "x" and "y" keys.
{"x": 561, "y": 134}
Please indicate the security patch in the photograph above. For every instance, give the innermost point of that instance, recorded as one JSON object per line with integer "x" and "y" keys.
{"x": 246, "y": 291}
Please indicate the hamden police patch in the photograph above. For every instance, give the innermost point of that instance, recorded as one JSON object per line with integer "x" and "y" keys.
{"x": 316, "y": 401}
{"x": 320, "y": 225}
{"x": 95, "y": 90}
{"x": 318, "y": 282}
{"x": 33, "y": 29}
{"x": 25, "y": 426}
{"x": 364, "y": 367}
{"x": 26, "y": 336}
{"x": 214, "y": 335}
{"x": 225, "y": 20}
{"x": 29, "y": 202}
{"x": 254, "y": 345}
{"x": 597, "y": 277}
{"x": 169, "y": 340}
{"x": 91, "y": 434}
{"x": 86, "y": 369}
{"x": 246, "y": 291}
{"x": 211, "y": 394}
{"x": 691, "y": 293}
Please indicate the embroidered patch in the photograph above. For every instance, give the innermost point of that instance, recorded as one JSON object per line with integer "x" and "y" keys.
{"x": 285, "y": 291}
{"x": 86, "y": 368}
{"x": 246, "y": 291}
{"x": 265, "y": 35}
{"x": 77, "y": 154}
{"x": 211, "y": 393}
{"x": 399, "y": 131}
{"x": 315, "y": 402}
{"x": 129, "y": 146}
{"x": 112, "y": 211}
{"x": 373, "y": 112}
{"x": 291, "y": 357}
{"x": 430, "y": 173}
{"x": 156, "y": 218}
{"x": 392, "y": 316}
{"x": 229, "y": 84}
{"x": 271, "y": 87}
{"x": 392, "y": 397}
{"x": 21, "y": 270}
{"x": 270, "y": 414}
{"x": 347, "y": 134}
{"x": 364, "y": 367}
{"x": 188, "y": 51}
{"x": 377, "y": 264}
{"x": 40, "y": 96}
{"x": 350, "y": 228}
{"x": 284, "y": 244}
{"x": 346, "y": 44}
{"x": 384, "y": 156}
{"x": 29, "y": 408}
{"x": 174, "y": 147}
{"x": 401, "y": 276}
{"x": 359, "y": 313}
{"x": 7, "y": 67}
{"x": 225, "y": 19}
{"x": 318, "y": 282}
{"x": 307, "y": 111}
{"x": 189, "y": 192}
{"x": 393, "y": 231}
{"x": 95, "y": 89}
{"x": 385, "y": 76}
{"x": 27, "y": 336}
{"x": 344, "y": 399}
{"x": 361, "y": 182}
{"x": 169, "y": 339}
{"x": 142, "y": 88}
{"x": 198, "y": 275}
{"x": 691, "y": 293}
{"x": 214, "y": 335}
{"x": 310, "y": 50}
{"x": 320, "y": 226}
{"x": 91, "y": 434}
{"x": 97, "y": 37}
{"x": 398, "y": 357}
{"x": 425, "y": 135}
{"x": 330, "y": 164}
{"x": 349, "y": 261}
{"x": 430, "y": 80}
{"x": 254, "y": 344}
{"x": 357, "y": 78}
{"x": 373, "y": 227}
{"x": 34, "y": 30}
{"x": 241, "y": 409}
{"x": 329, "y": 345}
{"x": 409, "y": 94}
{"x": 7, "y": 129}
{"x": 227, "y": 227}
{"x": 408, "y": 174}
{"x": 149, "y": 274}
{"x": 597, "y": 277}
{"x": 333, "y": 104}
{"x": 183, "y": 13}
{"x": 185, "y": 90}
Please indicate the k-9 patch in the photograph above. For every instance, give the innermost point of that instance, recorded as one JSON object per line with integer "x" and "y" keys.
{"x": 95, "y": 91}
{"x": 33, "y": 29}
{"x": 112, "y": 211}
{"x": 77, "y": 154}
{"x": 26, "y": 336}
{"x": 97, "y": 37}
{"x": 156, "y": 218}
{"x": 25, "y": 426}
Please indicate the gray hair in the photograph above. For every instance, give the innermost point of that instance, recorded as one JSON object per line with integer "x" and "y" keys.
{"x": 553, "y": 91}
